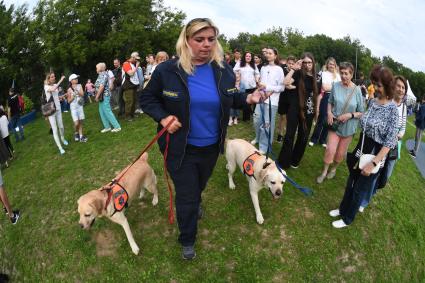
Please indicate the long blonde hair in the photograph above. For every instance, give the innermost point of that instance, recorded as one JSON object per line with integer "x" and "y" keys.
{"x": 46, "y": 81}
{"x": 184, "y": 51}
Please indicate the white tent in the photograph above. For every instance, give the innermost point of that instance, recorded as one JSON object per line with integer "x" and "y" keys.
{"x": 410, "y": 97}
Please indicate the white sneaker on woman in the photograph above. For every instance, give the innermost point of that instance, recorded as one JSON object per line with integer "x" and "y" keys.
{"x": 116, "y": 130}
{"x": 105, "y": 130}
{"x": 339, "y": 224}
{"x": 334, "y": 213}
{"x": 254, "y": 142}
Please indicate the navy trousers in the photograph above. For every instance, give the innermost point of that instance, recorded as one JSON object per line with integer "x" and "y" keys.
{"x": 189, "y": 182}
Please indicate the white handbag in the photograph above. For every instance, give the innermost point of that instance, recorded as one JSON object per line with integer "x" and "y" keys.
{"x": 367, "y": 158}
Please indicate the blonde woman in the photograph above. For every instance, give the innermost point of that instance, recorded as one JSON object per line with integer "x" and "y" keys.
{"x": 197, "y": 91}
{"x": 103, "y": 95}
{"x": 330, "y": 75}
{"x": 55, "y": 120}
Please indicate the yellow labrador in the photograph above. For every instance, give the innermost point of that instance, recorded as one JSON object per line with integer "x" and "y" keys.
{"x": 241, "y": 153}
{"x": 95, "y": 203}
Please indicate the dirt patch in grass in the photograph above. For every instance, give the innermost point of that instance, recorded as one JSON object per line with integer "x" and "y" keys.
{"x": 106, "y": 244}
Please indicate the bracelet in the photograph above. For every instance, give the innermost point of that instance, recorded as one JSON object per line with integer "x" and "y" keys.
{"x": 352, "y": 115}
{"x": 374, "y": 163}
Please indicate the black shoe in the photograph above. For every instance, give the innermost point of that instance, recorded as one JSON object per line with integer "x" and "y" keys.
{"x": 15, "y": 217}
{"x": 188, "y": 252}
{"x": 76, "y": 137}
{"x": 412, "y": 153}
{"x": 200, "y": 213}
{"x": 279, "y": 138}
{"x": 83, "y": 139}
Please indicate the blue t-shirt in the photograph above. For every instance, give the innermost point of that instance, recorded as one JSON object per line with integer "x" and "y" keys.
{"x": 204, "y": 107}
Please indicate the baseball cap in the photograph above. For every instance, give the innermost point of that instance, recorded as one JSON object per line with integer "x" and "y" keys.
{"x": 135, "y": 55}
{"x": 73, "y": 77}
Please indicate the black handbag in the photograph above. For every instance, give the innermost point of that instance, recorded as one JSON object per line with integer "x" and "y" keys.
{"x": 48, "y": 107}
{"x": 393, "y": 153}
{"x": 335, "y": 123}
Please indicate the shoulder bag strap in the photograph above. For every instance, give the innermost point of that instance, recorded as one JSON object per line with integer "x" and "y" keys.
{"x": 347, "y": 101}
{"x": 364, "y": 130}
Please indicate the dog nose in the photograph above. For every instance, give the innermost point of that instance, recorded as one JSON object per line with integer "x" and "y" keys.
{"x": 278, "y": 192}
{"x": 81, "y": 225}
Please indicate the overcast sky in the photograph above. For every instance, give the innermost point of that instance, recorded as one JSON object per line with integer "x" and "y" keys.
{"x": 386, "y": 27}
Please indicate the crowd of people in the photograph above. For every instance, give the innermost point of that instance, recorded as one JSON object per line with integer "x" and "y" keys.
{"x": 201, "y": 91}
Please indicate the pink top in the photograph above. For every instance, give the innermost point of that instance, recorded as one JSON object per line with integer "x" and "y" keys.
{"x": 89, "y": 87}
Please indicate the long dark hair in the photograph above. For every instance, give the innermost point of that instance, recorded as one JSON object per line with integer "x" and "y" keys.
{"x": 385, "y": 77}
{"x": 243, "y": 60}
{"x": 301, "y": 86}
{"x": 276, "y": 61}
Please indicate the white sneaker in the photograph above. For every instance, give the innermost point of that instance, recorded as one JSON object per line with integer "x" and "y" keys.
{"x": 339, "y": 224}
{"x": 105, "y": 130}
{"x": 235, "y": 122}
{"x": 254, "y": 142}
{"x": 334, "y": 213}
{"x": 230, "y": 122}
{"x": 361, "y": 209}
{"x": 324, "y": 145}
{"x": 116, "y": 130}
{"x": 320, "y": 179}
{"x": 61, "y": 151}
{"x": 310, "y": 143}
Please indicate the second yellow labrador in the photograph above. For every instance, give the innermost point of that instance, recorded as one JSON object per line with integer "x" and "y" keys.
{"x": 244, "y": 155}
{"x": 95, "y": 203}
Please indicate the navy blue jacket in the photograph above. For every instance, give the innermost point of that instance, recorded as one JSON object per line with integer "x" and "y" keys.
{"x": 167, "y": 94}
{"x": 420, "y": 117}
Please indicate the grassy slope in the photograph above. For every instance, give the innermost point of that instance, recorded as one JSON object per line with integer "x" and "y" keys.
{"x": 296, "y": 242}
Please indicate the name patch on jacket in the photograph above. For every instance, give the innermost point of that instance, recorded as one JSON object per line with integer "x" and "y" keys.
{"x": 232, "y": 90}
{"x": 170, "y": 94}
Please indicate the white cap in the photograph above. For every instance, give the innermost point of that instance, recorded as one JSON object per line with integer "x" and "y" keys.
{"x": 73, "y": 77}
{"x": 135, "y": 55}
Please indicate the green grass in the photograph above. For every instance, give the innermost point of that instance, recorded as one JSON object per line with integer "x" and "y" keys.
{"x": 295, "y": 244}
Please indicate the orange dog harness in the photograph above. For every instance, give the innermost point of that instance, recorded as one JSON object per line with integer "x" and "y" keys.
{"x": 118, "y": 194}
{"x": 248, "y": 164}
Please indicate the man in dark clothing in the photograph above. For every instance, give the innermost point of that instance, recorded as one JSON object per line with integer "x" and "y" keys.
{"x": 116, "y": 99}
{"x": 14, "y": 111}
{"x": 236, "y": 58}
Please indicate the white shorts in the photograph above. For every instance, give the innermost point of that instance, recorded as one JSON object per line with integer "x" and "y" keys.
{"x": 77, "y": 113}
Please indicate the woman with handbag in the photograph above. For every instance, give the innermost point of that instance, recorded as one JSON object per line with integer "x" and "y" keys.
{"x": 75, "y": 97}
{"x": 329, "y": 76}
{"x": 379, "y": 125}
{"x": 103, "y": 96}
{"x": 55, "y": 119}
{"x": 345, "y": 108}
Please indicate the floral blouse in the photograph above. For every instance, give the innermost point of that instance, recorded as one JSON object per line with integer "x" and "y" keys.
{"x": 102, "y": 79}
{"x": 381, "y": 123}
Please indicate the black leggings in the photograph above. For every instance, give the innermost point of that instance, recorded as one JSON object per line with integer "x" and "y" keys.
{"x": 8, "y": 144}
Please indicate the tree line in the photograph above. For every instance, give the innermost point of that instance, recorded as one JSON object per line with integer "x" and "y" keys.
{"x": 70, "y": 36}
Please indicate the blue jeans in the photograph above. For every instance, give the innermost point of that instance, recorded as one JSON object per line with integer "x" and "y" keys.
{"x": 106, "y": 114}
{"x": 385, "y": 174}
{"x": 320, "y": 132}
{"x": 234, "y": 113}
{"x": 15, "y": 122}
{"x": 357, "y": 188}
{"x": 263, "y": 126}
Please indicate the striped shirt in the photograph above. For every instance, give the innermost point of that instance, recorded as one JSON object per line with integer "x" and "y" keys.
{"x": 402, "y": 115}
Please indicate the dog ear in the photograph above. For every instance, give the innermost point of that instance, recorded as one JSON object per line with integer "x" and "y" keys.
{"x": 97, "y": 203}
{"x": 144, "y": 156}
{"x": 262, "y": 175}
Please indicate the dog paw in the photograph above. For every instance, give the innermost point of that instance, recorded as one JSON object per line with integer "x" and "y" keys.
{"x": 135, "y": 250}
{"x": 232, "y": 187}
{"x": 260, "y": 219}
{"x": 155, "y": 200}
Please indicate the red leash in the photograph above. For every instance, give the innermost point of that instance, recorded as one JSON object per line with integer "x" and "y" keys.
{"x": 147, "y": 147}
